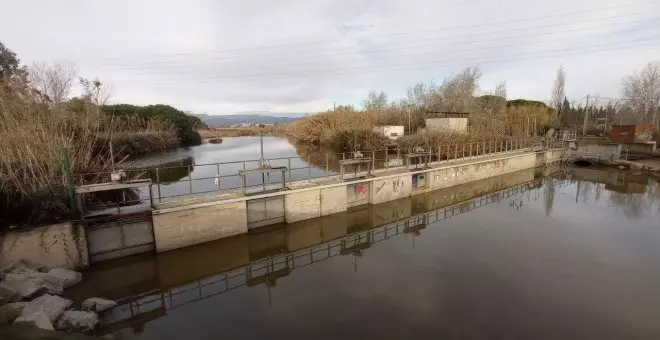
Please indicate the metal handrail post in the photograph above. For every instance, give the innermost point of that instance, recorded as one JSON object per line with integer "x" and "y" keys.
{"x": 309, "y": 168}
{"x": 218, "y": 174}
{"x": 158, "y": 184}
{"x": 289, "y": 168}
{"x": 190, "y": 179}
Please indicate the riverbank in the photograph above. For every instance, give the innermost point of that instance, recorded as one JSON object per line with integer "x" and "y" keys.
{"x": 30, "y": 296}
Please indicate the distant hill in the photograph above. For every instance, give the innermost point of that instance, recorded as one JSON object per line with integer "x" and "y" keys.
{"x": 226, "y": 120}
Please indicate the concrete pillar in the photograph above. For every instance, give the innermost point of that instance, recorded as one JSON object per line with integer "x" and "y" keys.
{"x": 333, "y": 200}
{"x": 176, "y": 228}
{"x": 303, "y": 205}
{"x": 390, "y": 189}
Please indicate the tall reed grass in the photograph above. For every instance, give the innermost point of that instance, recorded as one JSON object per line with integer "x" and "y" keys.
{"x": 33, "y": 142}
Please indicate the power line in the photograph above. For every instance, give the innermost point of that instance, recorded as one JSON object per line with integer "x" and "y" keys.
{"x": 589, "y": 11}
{"x": 164, "y": 64}
{"x": 298, "y": 64}
{"x": 463, "y": 61}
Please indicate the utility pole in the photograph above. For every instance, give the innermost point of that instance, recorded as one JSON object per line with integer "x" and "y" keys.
{"x": 586, "y": 115}
{"x": 334, "y": 105}
{"x": 409, "y": 124}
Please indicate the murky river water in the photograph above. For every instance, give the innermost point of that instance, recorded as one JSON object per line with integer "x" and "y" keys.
{"x": 568, "y": 255}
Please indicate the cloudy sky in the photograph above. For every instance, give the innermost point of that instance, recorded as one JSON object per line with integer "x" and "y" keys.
{"x": 222, "y": 57}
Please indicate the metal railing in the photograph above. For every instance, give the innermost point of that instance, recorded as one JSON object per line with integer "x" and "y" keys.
{"x": 173, "y": 182}
{"x": 270, "y": 268}
{"x": 597, "y": 152}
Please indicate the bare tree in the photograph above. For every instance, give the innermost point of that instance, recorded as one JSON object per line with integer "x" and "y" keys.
{"x": 376, "y": 101}
{"x": 642, "y": 90}
{"x": 95, "y": 91}
{"x": 53, "y": 80}
{"x": 559, "y": 90}
{"x": 457, "y": 91}
{"x": 421, "y": 96}
{"x": 500, "y": 90}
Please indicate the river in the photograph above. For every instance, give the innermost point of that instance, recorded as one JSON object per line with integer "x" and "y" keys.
{"x": 565, "y": 254}
{"x": 189, "y": 170}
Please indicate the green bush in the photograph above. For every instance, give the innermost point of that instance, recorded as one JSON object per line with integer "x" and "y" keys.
{"x": 523, "y": 102}
{"x": 186, "y": 126}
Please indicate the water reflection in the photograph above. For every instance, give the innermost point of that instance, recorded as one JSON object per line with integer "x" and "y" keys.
{"x": 172, "y": 171}
{"x": 636, "y": 195}
{"x": 524, "y": 255}
{"x": 194, "y": 170}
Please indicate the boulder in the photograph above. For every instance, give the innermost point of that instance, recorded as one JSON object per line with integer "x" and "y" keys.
{"x": 38, "y": 319}
{"x": 50, "y": 305}
{"x": 19, "y": 267}
{"x": 29, "y": 285}
{"x": 78, "y": 321}
{"x": 66, "y": 277}
{"x": 98, "y": 305}
{"x": 9, "y": 313}
{"x": 12, "y": 291}
{"x": 17, "y": 306}
{"x": 8, "y": 293}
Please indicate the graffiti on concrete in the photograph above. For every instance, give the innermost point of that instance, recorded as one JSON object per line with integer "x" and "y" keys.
{"x": 396, "y": 185}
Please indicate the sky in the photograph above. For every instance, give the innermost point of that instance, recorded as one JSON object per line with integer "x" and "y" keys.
{"x": 224, "y": 57}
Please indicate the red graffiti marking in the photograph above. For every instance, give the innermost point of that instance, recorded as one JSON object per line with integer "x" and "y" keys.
{"x": 361, "y": 189}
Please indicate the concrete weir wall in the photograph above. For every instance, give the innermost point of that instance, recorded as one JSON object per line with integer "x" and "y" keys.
{"x": 53, "y": 246}
{"x": 194, "y": 222}
{"x": 391, "y": 188}
{"x": 180, "y": 224}
{"x": 461, "y": 174}
{"x": 185, "y": 226}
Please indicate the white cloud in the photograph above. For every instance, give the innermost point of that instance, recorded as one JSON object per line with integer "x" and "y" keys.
{"x": 292, "y": 56}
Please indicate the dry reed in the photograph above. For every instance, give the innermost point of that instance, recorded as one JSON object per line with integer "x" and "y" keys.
{"x": 34, "y": 140}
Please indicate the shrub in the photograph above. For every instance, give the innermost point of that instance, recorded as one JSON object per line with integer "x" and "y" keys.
{"x": 184, "y": 124}
{"x": 357, "y": 140}
{"x": 34, "y": 140}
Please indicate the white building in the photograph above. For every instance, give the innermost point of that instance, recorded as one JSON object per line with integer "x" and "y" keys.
{"x": 392, "y": 132}
{"x": 448, "y": 122}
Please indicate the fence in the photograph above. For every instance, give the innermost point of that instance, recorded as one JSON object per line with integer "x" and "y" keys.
{"x": 172, "y": 182}
{"x": 598, "y": 152}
